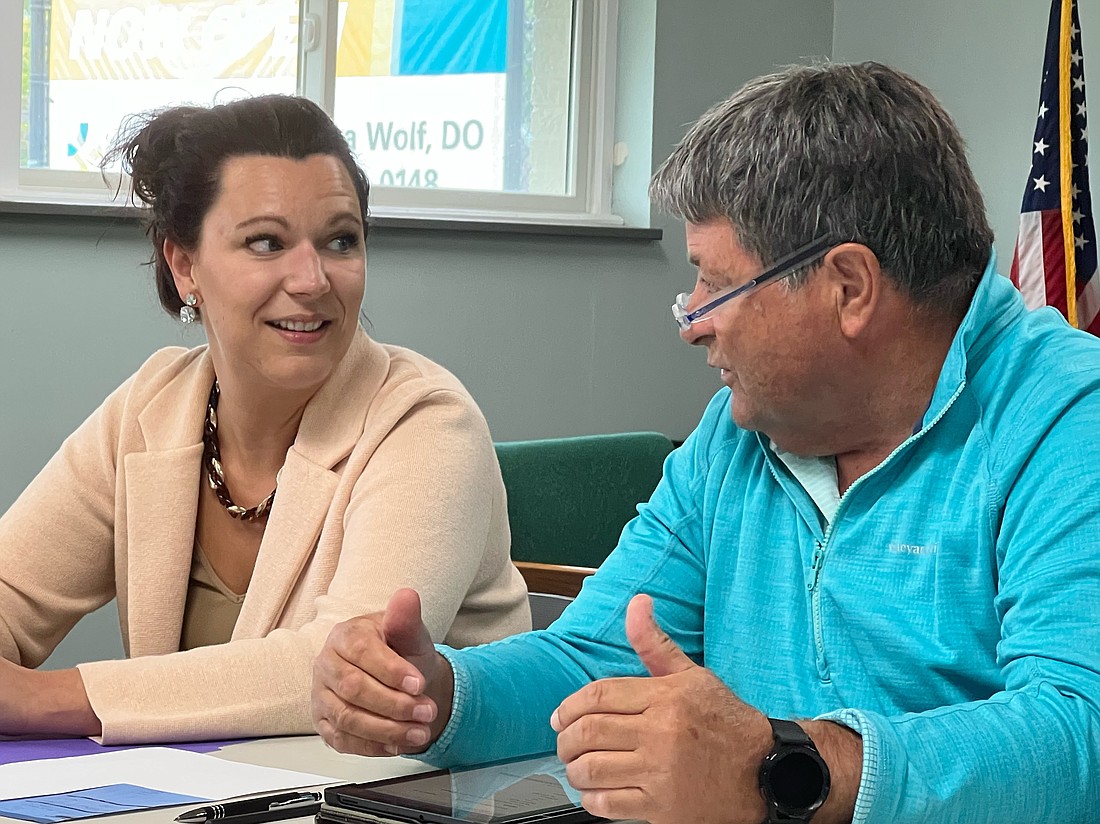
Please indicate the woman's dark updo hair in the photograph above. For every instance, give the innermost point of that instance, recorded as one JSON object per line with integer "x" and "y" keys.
{"x": 175, "y": 157}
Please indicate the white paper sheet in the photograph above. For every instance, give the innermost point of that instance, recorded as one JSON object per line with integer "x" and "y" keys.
{"x": 158, "y": 768}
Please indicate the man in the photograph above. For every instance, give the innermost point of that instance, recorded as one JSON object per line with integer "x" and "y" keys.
{"x": 886, "y": 528}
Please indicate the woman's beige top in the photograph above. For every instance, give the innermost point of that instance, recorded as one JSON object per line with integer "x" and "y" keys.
{"x": 392, "y": 481}
{"x": 212, "y": 608}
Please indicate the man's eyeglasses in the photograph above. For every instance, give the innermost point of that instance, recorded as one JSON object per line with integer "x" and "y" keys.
{"x": 800, "y": 257}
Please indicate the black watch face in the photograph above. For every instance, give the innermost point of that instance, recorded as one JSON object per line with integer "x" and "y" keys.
{"x": 795, "y": 780}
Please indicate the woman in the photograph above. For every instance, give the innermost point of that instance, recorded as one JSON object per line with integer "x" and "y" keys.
{"x": 242, "y": 497}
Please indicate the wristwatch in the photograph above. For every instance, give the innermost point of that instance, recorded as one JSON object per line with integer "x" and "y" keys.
{"x": 794, "y": 778}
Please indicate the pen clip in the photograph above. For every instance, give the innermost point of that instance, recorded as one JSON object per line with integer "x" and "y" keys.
{"x": 299, "y": 801}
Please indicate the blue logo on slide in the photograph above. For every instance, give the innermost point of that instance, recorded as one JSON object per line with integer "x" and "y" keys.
{"x": 80, "y": 140}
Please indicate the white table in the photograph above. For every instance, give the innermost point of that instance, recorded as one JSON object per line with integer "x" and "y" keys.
{"x": 305, "y": 753}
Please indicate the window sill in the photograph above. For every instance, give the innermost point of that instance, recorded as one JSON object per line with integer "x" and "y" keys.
{"x": 384, "y": 223}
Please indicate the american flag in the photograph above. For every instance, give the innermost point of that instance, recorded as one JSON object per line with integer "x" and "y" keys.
{"x": 1055, "y": 255}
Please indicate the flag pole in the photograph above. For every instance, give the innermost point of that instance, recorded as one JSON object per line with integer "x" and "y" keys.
{"x": 1065, "y": 162}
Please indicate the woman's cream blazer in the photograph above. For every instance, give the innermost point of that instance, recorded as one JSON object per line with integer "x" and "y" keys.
{"x": 392, "y": 481}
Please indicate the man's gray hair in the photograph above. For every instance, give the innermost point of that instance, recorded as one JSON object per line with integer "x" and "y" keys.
{"x": 854, "y": 152}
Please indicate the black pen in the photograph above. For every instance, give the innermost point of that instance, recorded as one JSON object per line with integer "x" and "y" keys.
{"x": 264, "y": 808}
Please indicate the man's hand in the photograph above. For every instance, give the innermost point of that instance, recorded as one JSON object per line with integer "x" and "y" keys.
{"x": 379, "y": 686}
{"x": 676, "y": 748}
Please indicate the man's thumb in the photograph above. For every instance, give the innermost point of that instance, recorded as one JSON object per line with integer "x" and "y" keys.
{"x": 658, "y": 652}
{"x": 403, "y": 628}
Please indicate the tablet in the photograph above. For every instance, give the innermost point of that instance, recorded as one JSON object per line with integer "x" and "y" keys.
{"x": 518, "y": 791}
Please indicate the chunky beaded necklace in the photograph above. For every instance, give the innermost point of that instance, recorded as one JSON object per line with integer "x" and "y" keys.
{"x": 211, "y": 456}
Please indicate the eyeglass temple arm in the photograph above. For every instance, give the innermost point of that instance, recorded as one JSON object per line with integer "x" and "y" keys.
{"x": 799, "y": 257}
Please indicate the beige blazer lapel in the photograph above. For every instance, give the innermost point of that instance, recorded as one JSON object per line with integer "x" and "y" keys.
{"x": 161, "y": 509}
{"x": 332, "y": 424}
{"x": 162, "y": 498}
{"x": 304, "y": 494}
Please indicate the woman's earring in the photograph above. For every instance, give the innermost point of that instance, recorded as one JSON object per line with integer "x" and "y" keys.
{"x": 188, "y": 312}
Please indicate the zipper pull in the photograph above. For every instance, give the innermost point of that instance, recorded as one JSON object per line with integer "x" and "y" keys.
{"x": 815, "y": 565}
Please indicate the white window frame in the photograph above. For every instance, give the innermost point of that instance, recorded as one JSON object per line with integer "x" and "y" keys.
{"x": 590, "y": 152}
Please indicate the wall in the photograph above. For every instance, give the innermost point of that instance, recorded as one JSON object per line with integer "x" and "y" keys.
{"x": 983, "y": 59}
{"x": 552, "y": 336}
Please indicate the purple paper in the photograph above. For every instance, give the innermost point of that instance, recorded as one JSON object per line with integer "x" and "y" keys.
{"x": 32, "y": 749}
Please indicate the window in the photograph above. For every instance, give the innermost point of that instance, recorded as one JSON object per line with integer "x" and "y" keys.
{"x": 490, "y": 109}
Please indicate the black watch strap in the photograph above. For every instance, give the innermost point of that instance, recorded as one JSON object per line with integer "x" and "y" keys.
{"x": 794, "y": 778}
{"x": 788, "y": 732}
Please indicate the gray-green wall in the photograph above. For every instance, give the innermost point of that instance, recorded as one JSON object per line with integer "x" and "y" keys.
{"x": 552, "y": 336}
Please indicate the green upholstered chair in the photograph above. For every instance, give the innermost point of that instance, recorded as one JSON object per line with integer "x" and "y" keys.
{"x": 569, "y": 499}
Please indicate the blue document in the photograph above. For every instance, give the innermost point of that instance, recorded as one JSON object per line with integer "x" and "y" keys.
{"x": 114, "y": 798}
